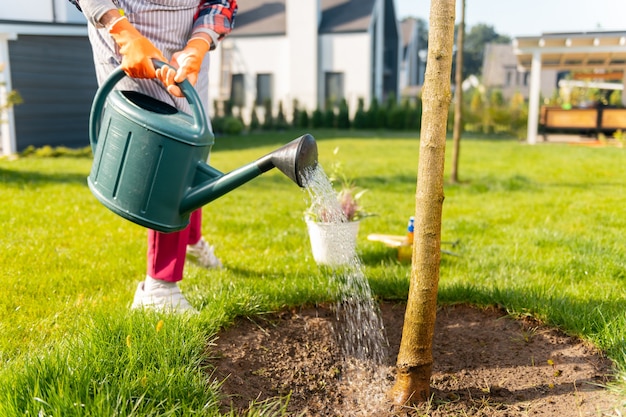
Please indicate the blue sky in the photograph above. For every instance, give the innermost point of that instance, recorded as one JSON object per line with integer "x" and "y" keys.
{"x": 532, "y": 17}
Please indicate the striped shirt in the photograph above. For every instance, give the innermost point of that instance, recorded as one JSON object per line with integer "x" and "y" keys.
{"x": 216, "y": 16}
{"x": 168, "y": 24}
{"x": 213, "y": 17}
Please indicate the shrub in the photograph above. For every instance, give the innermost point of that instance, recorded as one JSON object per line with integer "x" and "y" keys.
{"x": 281, "y": 122}
{"x": 413, "y": 116}
{"x": 233, "y": 126}
{"x": 371, "y": 114}
{"x": 397, "y": 118}
{"x": 305, "y": 121}
{"x": 48, "y": 151}
{"x": 380, "y": 118}
{"x": 229, "y": 125}
{"x": 268, "y": 120}
{"x": 330, "y": 119}
{"x": 360, "y": 118}
{"x": 217, "y": 124}
{"x": 254, "y": 120}
{"x": 501, "y": 119}
{"x": 228, "y": 108}
{"x": 343, "y": 117}
{"x": 295, "y": 114}
{"x": 317, "y": 120}
{"x": 615, "y": 99}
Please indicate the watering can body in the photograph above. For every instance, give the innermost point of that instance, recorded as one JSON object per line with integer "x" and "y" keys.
{"x": 149, "y": 158}
{"x": 145, "y": 155}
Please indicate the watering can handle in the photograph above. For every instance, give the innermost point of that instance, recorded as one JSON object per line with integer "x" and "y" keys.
{"x": 200, "y": 123}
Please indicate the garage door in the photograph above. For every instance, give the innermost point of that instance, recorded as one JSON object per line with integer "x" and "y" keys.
{"x": 55, "y": 77}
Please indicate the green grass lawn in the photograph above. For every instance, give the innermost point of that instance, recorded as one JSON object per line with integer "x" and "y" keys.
{"x": 539, "y": 230}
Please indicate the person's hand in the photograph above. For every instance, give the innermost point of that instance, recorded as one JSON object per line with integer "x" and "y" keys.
{"x": 137, "y": 51}
{"x": 187, "y": 62}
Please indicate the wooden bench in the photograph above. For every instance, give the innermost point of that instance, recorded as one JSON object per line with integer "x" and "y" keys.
{"x": 583, "y": 121}
{"x": 612, "y": 119}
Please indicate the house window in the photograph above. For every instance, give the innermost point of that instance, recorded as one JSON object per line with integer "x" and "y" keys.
{"x": 264, "y": 86}
{"x": 237, "y": 91}
{"x": 333, "y": 88}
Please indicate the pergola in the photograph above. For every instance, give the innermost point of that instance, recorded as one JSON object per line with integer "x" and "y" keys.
{"x": 594, "y": 52}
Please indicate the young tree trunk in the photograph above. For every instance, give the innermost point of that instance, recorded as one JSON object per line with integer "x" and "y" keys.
{"x": 458, "y": 98}
{"x": 415, "y": 360}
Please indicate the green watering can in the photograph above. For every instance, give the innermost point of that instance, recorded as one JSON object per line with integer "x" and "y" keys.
{"x": 149, "y": 158}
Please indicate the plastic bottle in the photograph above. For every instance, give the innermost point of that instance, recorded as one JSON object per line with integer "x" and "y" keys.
{"x": 405, "y": 250}
{"x": 410, "y": 231}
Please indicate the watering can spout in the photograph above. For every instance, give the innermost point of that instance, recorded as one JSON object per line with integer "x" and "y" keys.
{"x": 295, "y": 159}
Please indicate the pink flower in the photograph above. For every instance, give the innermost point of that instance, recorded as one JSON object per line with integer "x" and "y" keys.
{"x": 349, "y": 205}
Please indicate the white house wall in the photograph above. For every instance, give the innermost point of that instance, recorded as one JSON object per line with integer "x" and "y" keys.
{"x": 61, "y": 11}
{"x": 350, "y": 54}
{"x": 216, "y": 84}
{"x": 34, "y": 11}
{"x": 302, "y": 35}
{"x": 252, "y": 56}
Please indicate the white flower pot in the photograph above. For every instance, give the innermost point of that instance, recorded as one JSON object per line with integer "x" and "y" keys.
{"x": 333, "y": 243}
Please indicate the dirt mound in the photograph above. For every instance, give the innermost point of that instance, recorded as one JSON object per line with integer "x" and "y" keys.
{"x": 485, "y": 364}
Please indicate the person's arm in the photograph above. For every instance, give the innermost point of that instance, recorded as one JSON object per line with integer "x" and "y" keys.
{"x": 98, "y": 12}
{"x": 136, "y": 50}
{"x": 215, "y": 18}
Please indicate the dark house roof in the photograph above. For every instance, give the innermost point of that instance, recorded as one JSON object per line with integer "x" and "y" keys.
{"x": 260, "y": 18}
{"x": 346, "y": 15}
{"x": 407, "y": 26}
{"x": 267, "y": 17}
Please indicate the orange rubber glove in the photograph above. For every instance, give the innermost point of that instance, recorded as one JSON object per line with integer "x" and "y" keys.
{"x": 188, "y": 61}
{"x": 137, "y": 51}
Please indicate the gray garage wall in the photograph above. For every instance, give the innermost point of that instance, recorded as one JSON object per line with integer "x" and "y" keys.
{"x": 55, "y": 77}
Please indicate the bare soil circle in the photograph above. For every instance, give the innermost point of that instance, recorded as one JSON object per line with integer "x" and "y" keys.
{"x": 485, "y": 364}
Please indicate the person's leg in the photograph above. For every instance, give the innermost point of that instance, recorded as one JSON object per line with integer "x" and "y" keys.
{"x": 166, "y": 261}
{"x": 195, "y": 227}
{"x": 166, "y": 254}
{"x": 198, "y": 250}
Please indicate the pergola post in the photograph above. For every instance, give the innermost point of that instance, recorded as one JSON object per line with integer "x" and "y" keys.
{"x": 533, "y": 98}
{"x": 624, "y": 90}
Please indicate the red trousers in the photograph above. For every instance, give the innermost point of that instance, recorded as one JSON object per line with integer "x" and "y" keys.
{"x": 166, "y": 251}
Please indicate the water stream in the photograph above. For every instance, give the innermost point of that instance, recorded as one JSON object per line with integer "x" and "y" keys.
{"x": 359, "y": 328}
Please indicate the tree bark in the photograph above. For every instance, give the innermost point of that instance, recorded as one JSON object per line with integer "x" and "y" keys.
{"x": 415, "y": 360}
{"x": 458, "y": 99}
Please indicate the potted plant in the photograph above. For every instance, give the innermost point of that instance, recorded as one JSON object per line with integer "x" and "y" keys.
{"x": 333, "y": 219}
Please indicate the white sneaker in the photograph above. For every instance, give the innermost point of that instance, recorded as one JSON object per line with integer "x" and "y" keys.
{"x": 161, "y": 295}
{"x": 202, "y": 254}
